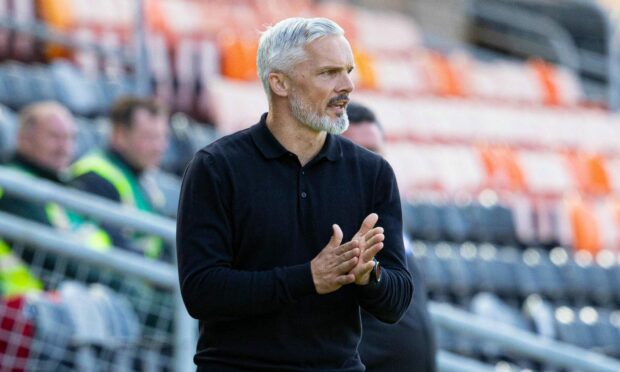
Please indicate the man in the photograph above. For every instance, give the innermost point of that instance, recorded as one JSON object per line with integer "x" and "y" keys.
{"x": 408, "y": 345}
{"x": 137, "y": 141}
{"x": 277, "y": 225}
{"x": 45, "y": 144}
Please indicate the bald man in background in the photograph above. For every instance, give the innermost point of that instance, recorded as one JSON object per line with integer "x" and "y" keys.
{"x": 45, "y": 145}
{"x": 408, "y": 345}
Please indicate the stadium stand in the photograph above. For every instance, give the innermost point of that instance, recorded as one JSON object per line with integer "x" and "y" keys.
{"x": 509, "y": 169}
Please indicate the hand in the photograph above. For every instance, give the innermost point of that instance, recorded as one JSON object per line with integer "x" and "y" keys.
{"x": 370, "y": 242}
{"x": 331, "y": 267}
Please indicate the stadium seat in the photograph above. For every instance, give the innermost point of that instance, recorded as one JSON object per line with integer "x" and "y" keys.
{"x": 91, "y": 134}
{"x": 434, "y": 271}
{"x": 462, "y": 275}
{"x": 8, "y": 132}
{"x": 20, "y": 93}
{"x": 454, "y": 225}
{"x": 491, "y": 307}
{"x": 164, "y": 189}
{"x": 575, "y": 281}
{"x": 527, "y": 282}
{"x": 81, "y": 95}
{"x": 423, "y": 221}
{"x": 41, "y": 84}
{"x": 540, "y": 314}
{"x": 549, "y": 276}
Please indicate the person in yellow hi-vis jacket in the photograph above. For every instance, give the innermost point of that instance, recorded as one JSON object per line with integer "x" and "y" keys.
{"x": 15, "y": 277}
{"x": 138, "y": 139}
{"x": 45, "y": 146}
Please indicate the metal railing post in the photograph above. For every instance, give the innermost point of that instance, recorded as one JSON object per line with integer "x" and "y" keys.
{"x": 141, "y": 58}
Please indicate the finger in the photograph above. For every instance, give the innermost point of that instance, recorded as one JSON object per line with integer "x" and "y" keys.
{"x": 355, "y": 252}
{"x": 345, "y": 279}
{"x": 373, "y": 232}
{"x": 371, "y": 252}
{"x": 347, "y": 265}
{"x": 368, "y": 223}
{"x": 336, "y": 238}
{"x": 375, "y": 239}
{"x": 347, "y": 247}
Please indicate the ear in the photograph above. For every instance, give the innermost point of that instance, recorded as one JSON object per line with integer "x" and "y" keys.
{"x": 117, "y": 136}
{"x": 279, "y": 84}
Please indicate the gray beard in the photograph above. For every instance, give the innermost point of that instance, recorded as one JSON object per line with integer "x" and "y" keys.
{"x": 309, "y": 118}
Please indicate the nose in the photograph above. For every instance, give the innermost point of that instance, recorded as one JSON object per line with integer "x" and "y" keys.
{"x": 346, "y": 84}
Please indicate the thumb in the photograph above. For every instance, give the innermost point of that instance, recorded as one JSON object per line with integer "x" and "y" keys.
{"x": 368, "y": 223}
{"x": 336, "y": 238}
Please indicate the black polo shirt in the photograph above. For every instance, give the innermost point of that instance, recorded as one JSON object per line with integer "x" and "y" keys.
{"x": 250, "y": 220}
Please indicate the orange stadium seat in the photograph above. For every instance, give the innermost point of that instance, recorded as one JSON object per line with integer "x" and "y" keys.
{"x": 58, "y": 14}
{"x": 238, "y": 57}
{"x": 445, "y": 78}
{"x": 584, "y": 225}
{"x": 502, "y": 168}
{"x": 547, "y": 79}
{"x": 364, "y": 73}
{"x": 590, "y": 172}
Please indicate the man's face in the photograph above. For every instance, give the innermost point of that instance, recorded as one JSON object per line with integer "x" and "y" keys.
{"x": 366, "y": 134}
{"x": 145, "y": 141}
{"x": 50, "y": 141}
{"x": 320, "y": 85}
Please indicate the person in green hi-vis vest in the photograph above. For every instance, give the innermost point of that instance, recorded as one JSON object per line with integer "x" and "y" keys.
{"x": 45, "y": 144}
{"x": 137, "y": 141}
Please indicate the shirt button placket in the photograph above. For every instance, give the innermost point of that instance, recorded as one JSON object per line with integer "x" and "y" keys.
{"x": 302, "y": 181}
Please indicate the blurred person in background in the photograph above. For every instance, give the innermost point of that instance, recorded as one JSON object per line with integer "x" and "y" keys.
{"x": 408, "y": 345}
{"x": 264, "y": 213}
{"x": 137, "y": 141}
{"x": 45, "y": 145}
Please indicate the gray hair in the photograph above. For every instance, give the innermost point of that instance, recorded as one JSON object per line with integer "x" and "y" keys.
{"x": 281, "y": 46}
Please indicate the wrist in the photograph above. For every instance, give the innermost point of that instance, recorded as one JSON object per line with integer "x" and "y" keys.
{"x": 364, "y": 279}
{"x": 374, "y": 276}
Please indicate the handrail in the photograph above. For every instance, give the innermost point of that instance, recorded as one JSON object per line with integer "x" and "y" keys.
{"x": 67, "y": 244}
{"x": 448, "y": 362}
{"x": 43, "y": 191}
{"x": 521, "y": 342}
{"x": 613, "y": 53}
{"x": 161, "y": 274}
{"x": 559, "y": 39}
{"x": 141, "y": 60}
{"x": 41, "y": 31}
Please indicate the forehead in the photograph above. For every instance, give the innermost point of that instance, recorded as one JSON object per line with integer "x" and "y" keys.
{"x": 144, "y": 120}
{"x": 332, "y": 50}
{"x": 56, "y": 122}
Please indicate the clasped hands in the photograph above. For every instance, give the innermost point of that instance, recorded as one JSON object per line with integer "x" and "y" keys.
{"x": 340, "y": 264}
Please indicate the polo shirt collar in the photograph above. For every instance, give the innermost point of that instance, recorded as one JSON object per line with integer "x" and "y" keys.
{"x": 269, "y": 146}
{"x": 265, "y": 141}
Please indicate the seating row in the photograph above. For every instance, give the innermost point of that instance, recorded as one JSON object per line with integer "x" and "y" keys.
{"x": 592, "y": 328}
{"x": 457, "y": 272}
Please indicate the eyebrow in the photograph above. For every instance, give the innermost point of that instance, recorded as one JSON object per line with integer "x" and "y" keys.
{"x": 349, "y": 68}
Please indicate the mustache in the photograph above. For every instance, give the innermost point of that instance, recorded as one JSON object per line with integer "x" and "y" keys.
{"x": 342, "y": 97}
